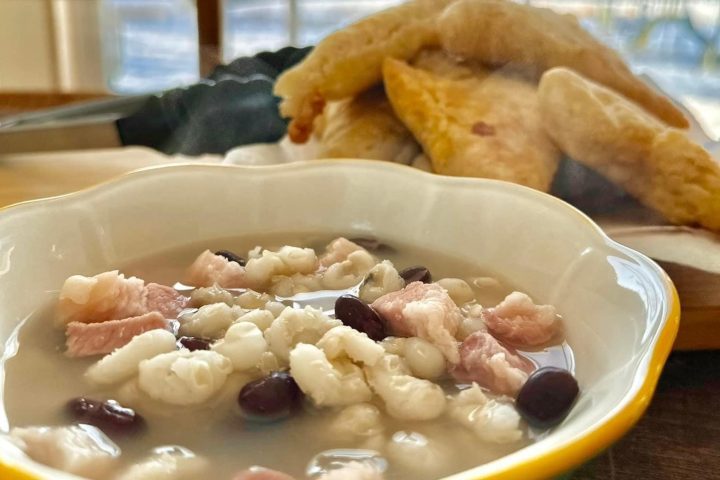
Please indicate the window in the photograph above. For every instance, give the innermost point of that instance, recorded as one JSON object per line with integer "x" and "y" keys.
{"x": 251, "y": 26}
{"x": 149, "y": 45}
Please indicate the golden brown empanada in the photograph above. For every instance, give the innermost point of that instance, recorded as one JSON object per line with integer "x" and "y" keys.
{"x": 349, "y": 61}
{"x": 658, "y": 165}
{"x": 500, "y": 32}
{"x": 471, "y": 121}
{"x": 365, "y": 127}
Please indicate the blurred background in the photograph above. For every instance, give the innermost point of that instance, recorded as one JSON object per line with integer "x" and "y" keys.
{"x": 89, "y": 48}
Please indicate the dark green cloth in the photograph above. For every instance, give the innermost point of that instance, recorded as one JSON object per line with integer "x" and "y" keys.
{"x": 233, "y": 106}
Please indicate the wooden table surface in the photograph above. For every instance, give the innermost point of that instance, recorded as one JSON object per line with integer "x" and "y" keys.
{"x": 678, "y": 438}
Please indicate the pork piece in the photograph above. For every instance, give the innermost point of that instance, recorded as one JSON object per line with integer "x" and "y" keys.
{"x": 164, "y": 299}
{"x": 423, "y": 310}
{"x": 260, "y": 473}
{"x": 111, "y": 296}
{"x": 519, "y": 321}
{"x": 485, "y": 361}
{"x": 107, "y": 296}
{"x": 85, "y": 339}
{"x": 209, "y": 269}
{"x": 338, "y": 251}
{"x": 79, "y": 449}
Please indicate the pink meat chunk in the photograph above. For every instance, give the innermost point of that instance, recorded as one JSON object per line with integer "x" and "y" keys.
{"x": 209, "y": 269}
{"x": 164, "y": 299}
{"x": 517, "y": 320}
{"x": 338, "y": 251}
{"x": 423, "y": 310}
{"x": 85, "y": 339}
{"x": 111, "y": 296}
{"x": 106, "y": 296}
{"x": 485, "y": 361}
{"x": 260, "y": 473}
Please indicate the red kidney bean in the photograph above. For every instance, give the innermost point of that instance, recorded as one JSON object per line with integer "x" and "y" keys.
{"x": 272, "y": 397}
{"x": 547, "y": 397}
{"x": 231, "y": 257}
{"x": 109, "y": 416}
{"x": 355, "y": 313}
{"x": 417, "y": 273}
{"x": 194, "y": 343}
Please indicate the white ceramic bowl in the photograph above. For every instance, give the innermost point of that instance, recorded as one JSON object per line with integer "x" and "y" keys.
{"x": 621, "y": 310}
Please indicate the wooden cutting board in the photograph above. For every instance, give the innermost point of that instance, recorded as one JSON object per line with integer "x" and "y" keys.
{"x": 690, "y": 256}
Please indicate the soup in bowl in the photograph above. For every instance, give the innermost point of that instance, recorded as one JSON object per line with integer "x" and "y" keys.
{"x": 344, "y": 320}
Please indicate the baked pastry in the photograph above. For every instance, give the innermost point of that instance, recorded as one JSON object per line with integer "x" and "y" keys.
{"x": 349, "y": 61}
{"x": 365, "y": 127}
{"x": 500, "y": 32}
{"x": 658, "y": 165}
{"x": 471, "y": 121}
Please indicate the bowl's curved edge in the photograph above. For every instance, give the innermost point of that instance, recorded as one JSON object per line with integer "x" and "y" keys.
{"x": 553, "y": 463}
{"x": 594, "y": 442}
{"x": 12, "y": 472}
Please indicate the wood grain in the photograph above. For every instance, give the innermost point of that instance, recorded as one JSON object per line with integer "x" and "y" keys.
{"x": 209, "y": 33}
{"x": 13, "y": 102}
{"x": 679, "y": 437}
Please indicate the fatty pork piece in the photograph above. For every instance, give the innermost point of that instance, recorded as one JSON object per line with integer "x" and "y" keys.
{"x": 485, "y": 361}
{"x": 423, "y": 310}
{"x": 111, "y": 296}
{"x": 519, "y": 321}
{"x": 86, "y": 339}
{"x": 209, "y": 269}
{"x": 78, "y": 449}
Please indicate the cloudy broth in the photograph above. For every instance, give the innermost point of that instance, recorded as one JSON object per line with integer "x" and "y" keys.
{"x": 40, "y": 379}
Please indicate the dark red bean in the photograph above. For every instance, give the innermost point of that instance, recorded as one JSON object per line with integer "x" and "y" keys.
{"x": 417, "y": 273}
{"x": 231, "y": 257}
{"x": 194, "y": 343}
{"x": 355, "y": 313}
{"x": 372, "y": 244}
{"x": 270, "y": 398}
{"x": 547, "y": 397}
{"x": 109, "y": 416}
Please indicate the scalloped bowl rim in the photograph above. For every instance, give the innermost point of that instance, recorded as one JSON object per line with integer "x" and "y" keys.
{"x": 525, "y": 463}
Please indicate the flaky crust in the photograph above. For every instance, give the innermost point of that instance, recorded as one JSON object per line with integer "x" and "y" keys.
{"x": 349, "y": 61}
{"x": 365, "y": 127}
{"x": 605, "y": 131}
{"x": 499, "y": 32}
{"x": 472, "y": 122}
